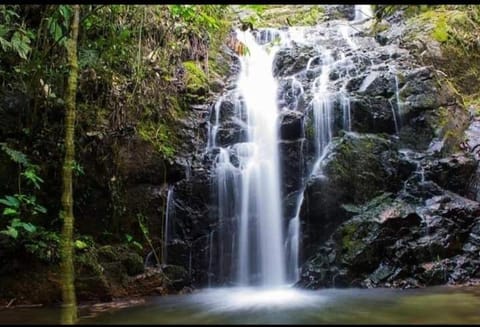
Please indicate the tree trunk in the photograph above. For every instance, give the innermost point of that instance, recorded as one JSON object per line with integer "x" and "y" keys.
{"x": 69, "y": 310}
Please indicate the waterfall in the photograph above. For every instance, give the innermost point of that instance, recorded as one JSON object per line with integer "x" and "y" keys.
{"x": 248, "y": 189}
{"x": 166, "y": 230}
{"x": 261, "y": 172}
{"x": 254, "y": 243}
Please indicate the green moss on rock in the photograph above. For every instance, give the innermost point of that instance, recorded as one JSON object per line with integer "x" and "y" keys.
{"x": 196, "y": 81}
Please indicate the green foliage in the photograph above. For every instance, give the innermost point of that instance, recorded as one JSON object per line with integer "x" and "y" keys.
{"x": 31, "y": 176}
{"x": 206, "y": 16}
{"x": 277, "y": 15}
{"x": 440, "y": 32}
{"x": 58, "y": 23}
{"x": 131, "y": 241}
{"x": 80, "y": 245}
{"x": 15, "y": 37}
{"x": 160, "y": 135}
{"x": 43, "y": 244}
{"x": 18, "y": 208}
{"x": 77, "y": 169}
{"x": 15, "y": 156}
{"x": 196, "y": 80}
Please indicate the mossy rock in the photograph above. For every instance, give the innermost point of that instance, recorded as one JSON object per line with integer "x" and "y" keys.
{"x": 196, "y": 80}
{"x": 131, "y": 261}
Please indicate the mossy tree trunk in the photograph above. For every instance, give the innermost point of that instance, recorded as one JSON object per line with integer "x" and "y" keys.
{"x": 69, "y": 311}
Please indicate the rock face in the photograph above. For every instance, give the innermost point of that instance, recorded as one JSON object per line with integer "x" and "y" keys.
{"x": 389, "y": 199}
{"x": 390, "y": 204}
{"x": 398, "y": 242}
{"x": 356, "y": 167}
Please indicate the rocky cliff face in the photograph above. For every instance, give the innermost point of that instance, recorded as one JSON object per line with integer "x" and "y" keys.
{"x": 392, "y": 202}
{"x": 395, "y": 205}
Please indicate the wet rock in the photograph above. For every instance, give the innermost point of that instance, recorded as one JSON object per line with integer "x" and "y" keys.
{"x": 340, "y": 11}
{"x": 177, "y": 276}
{"x": 291, "y": 95}
{"x": 291, "y": 125}
{"x": 289, "y": 61}
{"x": 355, "y": 169}
{"x": 420, "y": 92}
{"x": 453, "y": 173}
{"x": 230, "y": 133}
{"x": 292, "y": 165}
{"x": 396, "y": 243}
{"x": 373, "y": 115}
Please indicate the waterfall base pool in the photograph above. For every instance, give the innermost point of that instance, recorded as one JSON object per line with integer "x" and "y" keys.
{"x": 283, "y": 305}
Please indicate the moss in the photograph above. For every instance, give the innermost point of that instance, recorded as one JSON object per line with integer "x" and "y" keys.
{"x": 378, "y": 27}
{"x": 160, "y": 135}
{"x": 278, "y": 16}
{"x": 350, "y": 243}
{"x": 440, "y": 32}
{"x": 195, "y": 79}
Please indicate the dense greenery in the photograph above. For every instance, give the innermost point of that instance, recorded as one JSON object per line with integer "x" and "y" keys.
{"x": 139, "y": 69}
{"x": 457, "y": 30}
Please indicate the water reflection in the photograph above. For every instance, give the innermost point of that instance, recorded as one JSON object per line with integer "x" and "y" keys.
{"x": 283, "y": 305}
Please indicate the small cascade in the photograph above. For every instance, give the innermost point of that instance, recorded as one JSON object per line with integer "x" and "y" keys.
{"x": 363, "y": 12}
{"x": 397, "y": 108}
{"x": 394, "y": 115}
{"x": 293, "y": 243}
{"x": 415, "y": 158}
{"x": 322, "y": 106}
{"x": 169, "y": 213}
{"x": 213, "y": 128}
{"x": 210, "y": 257}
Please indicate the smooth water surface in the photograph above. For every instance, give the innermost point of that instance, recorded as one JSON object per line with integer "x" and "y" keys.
{"x": 284, "y": 305}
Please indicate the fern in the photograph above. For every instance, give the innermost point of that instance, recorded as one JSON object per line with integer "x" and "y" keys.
{"x": 15, "y": 155}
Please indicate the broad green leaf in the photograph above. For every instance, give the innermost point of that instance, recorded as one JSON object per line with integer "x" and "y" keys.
{"x": 80, "y": 245}
{"x": 29, "y": 227}
{"x": 10, "y": 212}
{"x": 12, "y": 232}
{"x": 5, "y": 44}
{"x": 20, "y": 44}
{"x": 10, "y": 201}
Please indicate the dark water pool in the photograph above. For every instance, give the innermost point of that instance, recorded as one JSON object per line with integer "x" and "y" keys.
{"x": 288, "y": 306}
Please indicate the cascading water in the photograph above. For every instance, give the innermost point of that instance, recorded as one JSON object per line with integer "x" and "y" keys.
{"x": 363, "y": 12}
{"x": 167, "y": 226}
{"x": 253, "y": 243}
{"x": 249, "y": 192}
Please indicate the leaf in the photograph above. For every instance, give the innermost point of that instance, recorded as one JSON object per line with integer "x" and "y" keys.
{"x": 29, "y": 227}
{"x": 40, "y": 209}
{"x": 10, "y": 201}
{"x": 10, "y": 231}
{"x": 129, "y": 237}
{"x": 138, "y": 245}
{"x": 80, "y": 245}
{"x": 5, "y": 44}
{"x": 10, "y": 212}
{"x": 20, "y": 44}
{"x": 15, "y": 155}
{"x": 31, "y": 175}
{"x": 55, "y": 29}
{"x": 66, "y": 12}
